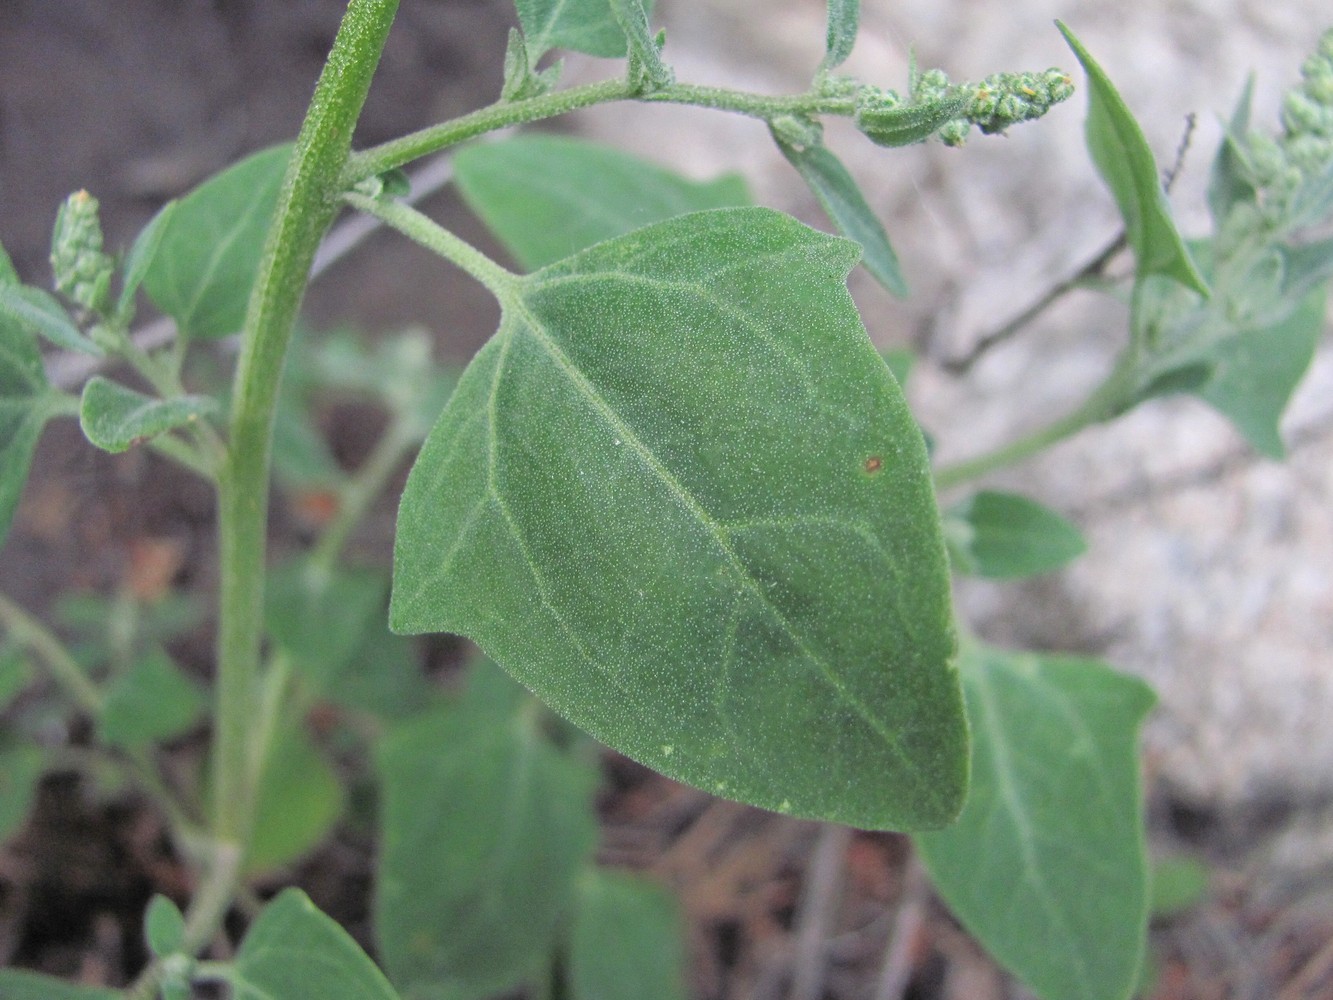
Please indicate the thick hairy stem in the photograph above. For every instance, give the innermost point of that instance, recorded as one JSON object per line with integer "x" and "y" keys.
{"x": 306, "y": 206}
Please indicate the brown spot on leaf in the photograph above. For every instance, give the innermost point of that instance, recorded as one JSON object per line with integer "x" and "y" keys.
{"x": 874, "y": 463}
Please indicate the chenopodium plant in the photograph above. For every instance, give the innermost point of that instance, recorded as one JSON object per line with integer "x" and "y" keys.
{"x": 678, "y": 496}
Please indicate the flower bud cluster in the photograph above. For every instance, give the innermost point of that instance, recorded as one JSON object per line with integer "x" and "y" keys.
{"x": 1280, "y": 168}
{"x": 82, "y": 271}
{"x": 992, "y": 105}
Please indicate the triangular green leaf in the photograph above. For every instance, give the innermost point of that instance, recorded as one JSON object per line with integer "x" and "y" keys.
{"x": 485, "y": 827}
{"x": 1046, "y": 865}
{"x": 842, "y": 199}
{"x": 322, "y": 617}
{"x": 680, "y": 497}
{"x": 116, "y": 418}
{"x": 586, "y": 26}
{"x": 26, "y": 403}
{"x": 1004, "y": 536}
{"x": 18, "y": 985}
{"x": 1255, "y": 373}
{"x": 1123, "y": 158}
{"x": 547, "y": 197}
{"x": 208, "y": 256}
{"x": 151, "y": 701}
{"x": 843, "y": 18}
{"x": 295, "y": 952}
{"x": 8, "y": 276}
{"x": 625, "y": 940}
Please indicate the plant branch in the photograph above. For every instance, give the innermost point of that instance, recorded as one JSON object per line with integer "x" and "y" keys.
{"x": 306, "y": 205}
{"x": 1106, "y": 401}
{"x": 504, "y": 114}
{"x": 430, "y": 234}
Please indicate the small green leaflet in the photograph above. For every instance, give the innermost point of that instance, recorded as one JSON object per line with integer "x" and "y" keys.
{"x": 27, "y": 402}
{"x": 586, "y": 26}
{"x": 1046, "y": 866}
{"x": 485, "y": 825}
{"x": 1123, "y": 158}
{"x": 547, "y": 197}
{"x": 208, "y": 255}
{"x": 115, "y": 418}
{"x": 1255, "y": 373}
{"x": 8, "y": 276}
{"x": 295, "y": 952}
{"x": 151, "y": 701}
{"x": 163, "y": 927}
{"x": 1004, "y": 536}
{"x": 843, "y": 19}
{"x": 680, "y": 497}
{"x": 842, "y": 199}
{"x": 647, "y": 959}
{"x": 647, "y": 71}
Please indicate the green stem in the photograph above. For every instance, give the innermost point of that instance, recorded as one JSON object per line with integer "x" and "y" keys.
{"x": 28, "y": 631}
{"x": 359, "y": 492}
{"x": 1106, "y": 401}
{"x": 306, "y": 206}
{"x": 434, "y": 237}
{"x": 504, "y": 114}
{"x": 501, "y": 114}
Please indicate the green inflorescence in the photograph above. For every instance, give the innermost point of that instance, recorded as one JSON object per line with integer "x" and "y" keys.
{"x": 994, "y": 104}
{"x": 1282, "y": 169}
{"x": 82, "y": 271}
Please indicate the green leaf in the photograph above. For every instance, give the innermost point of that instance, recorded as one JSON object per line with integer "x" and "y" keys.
{"x": 485, "y": 827}
{"x": 18, "y": 985}
{"x": 547, "y": 197}
{"x": 625, "y": 942}
{"x": 846, "y": 206}
{"x": 21, "y": 767}
{"x": 26, "y": 403}
{"x": 300, "y": 798}
{"x": 321, "y": 618}
{"x": 679, "y": 496}
{"x": 151, "y": 701}
{"x": 1229, "y": 181}
{"x": 37, "y": 312}
{"x": 208, "y": 256}
{"x": 295, "y": 952}
{"x": 164, "y": 927}
{"x": 1046, "y": 865}
{"x": 1256, "y": 372}
{"x": 586, "y": 26}
{"x": 1004, "y": 536}
{"x": 843, "y": 18}
{"x": 332, "y": 625}
{"x": 116, "y": 418}
{"x": 142, "y": 253}
{"x": 1122, "y": 156}
{"x": 1306, "y": 267}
